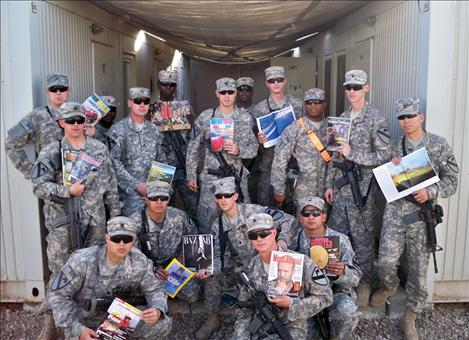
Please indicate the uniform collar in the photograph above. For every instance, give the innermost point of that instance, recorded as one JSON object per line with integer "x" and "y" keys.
{"x": 125, "y": 266}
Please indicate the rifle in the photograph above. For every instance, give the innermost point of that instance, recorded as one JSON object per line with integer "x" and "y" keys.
{"x": 266, "y": 312}
{"x": 227, "y": 170}
{"x": 174, "y": 138}
{"x": 292, "y": 176}
{"x": 122, "y": 293}
{"x": 322, "y": 323}
{"x": 432, "y": 216}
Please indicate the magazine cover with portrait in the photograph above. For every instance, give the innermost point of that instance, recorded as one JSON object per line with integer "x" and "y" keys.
{"x": 285, "y": 273}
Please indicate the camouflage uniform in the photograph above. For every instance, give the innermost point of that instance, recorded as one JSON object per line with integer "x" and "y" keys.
{"x": 39, "y": 127}
{"x": 396, "y": 234}
{"x": 132, "y": 152}
{"x": 296, "y": 143}
{"x": 244, "y": 138}
{"x": 248, "y": 81}
{"x": 87, "y": 276}
{"x": 100, "y": 192}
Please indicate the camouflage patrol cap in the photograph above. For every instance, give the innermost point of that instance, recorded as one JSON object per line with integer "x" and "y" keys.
{"x": 315, "y": 94}
{"x": 259, "y": 222}
{"x": 314, "y": 201}
{"x": 407, "y": 106}
{"x": 226, "y": 84}
{"x": 158, "y": 188}
{"x": 109, "y": 100}
{"x": 71, "y": 109}
{"x": 225, "y": 185}
{"x": 274, "y": 72}
{"x": 138, "y": 92}
{"x": 165, "y": 76}
{"x": 245, "y": 81}
{"x": 355, "y": 77}
{"x": 121, "y": 225}
{"x": 54, "y": 79}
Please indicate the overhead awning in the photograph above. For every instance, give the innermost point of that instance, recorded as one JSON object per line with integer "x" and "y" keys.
{"x": 232, "y": 31}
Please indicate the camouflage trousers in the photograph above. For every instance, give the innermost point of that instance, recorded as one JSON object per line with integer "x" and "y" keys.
{"x": 132, "y": 205}
{"x": 190, "y": 292}
{"x": 265, "y": 192}
{"x": 188, "y": 197}
{"x": 213, "y": 289}
{"x": 395, "y": 237}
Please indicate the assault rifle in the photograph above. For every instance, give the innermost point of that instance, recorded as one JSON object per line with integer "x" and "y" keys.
{"x": 122, "y": 293}
{"x": 322, "y": 323}
{"x": 227, "y": 170}
{"x": 176, "y": 141}
{"x": 432, "y": 216}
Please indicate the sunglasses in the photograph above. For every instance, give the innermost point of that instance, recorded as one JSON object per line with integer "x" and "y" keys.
{"x": 226, "y": 91}
{"x": 407, "y": 117}
{"x": 73, "y": 120}
{"x": 314, "y": 213}
{"x": 58, "y": 88}
{"x": 220, "y": 196}
{"x": 275, "y": 80}
{"x": 312, "y": 101}
{"x": 353, "y": 87}
{"x": 244, "y": 88}
{"x": 261, "y": 233}
{"x": 124, "y": 238}
{"x": 156, "y": 198}
{"x": 139, "y": 101}
{"x": 168, "y": 84}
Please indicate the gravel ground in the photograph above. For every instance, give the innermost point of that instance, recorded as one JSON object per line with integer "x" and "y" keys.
{"x": 443, "y": 322}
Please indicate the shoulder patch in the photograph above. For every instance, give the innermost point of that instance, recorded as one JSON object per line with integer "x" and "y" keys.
{"x": 384, "y": 135}
{"x": 319, "y": 277}
{"x": 452, "y": 164}
{"x": 39, "y": 169}
{"x": 195, "y": 131}
{"x": 21, "y": 129}
{"x": 284, "y": 141}
{"x": 275, "y": 213}
{"x": 62, "y": 278}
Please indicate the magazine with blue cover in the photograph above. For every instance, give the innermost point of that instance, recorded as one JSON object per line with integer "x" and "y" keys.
{"x": 178, "y": 276}
{"x": 273, "y": 124}
{"x": 84, "y": 168}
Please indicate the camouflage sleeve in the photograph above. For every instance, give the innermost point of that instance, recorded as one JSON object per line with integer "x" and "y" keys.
{"x": 160, "y": 152}
{"x": 282, "y": 154}
{"x": 352, "y": 273}
{"x": 111, "y": 196}
{"x": 330, "y": 177}
{"x": 17, "y": 138}
{"x": 289, "y": 233}
{"x": 448, "y": 173}
{"x": 193, "y": 149}
{"x": 216, "y": 249}
{"x": 189, "y": 225}
{"x": 152, "y": 288}
{"x": 247, "y": 144}
{"x": 380, "y": 137}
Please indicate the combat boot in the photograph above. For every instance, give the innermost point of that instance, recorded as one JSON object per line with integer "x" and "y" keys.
{"x": 363, "y": 294}
{"x": 408, "y": 325}
{"x": 379, "y": 298}
{"x": 48, "y": 331}
{"x": 211, "y": 325}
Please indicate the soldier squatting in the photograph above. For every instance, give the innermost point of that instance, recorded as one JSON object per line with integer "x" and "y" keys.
{"x": 129, "y": 230}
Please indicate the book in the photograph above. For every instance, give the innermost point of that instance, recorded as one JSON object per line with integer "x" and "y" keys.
{"x": 95, "y": 108}
{"x": 415, "y": 172}
{"x": 121, "y": 321}
{"x": 178, "y": 276}
{"x": 68, "y": 158}
{"x": 221, "y": 132}
{"x": 84, "y": 167}
{"x": 197, "y": 252}
{"x": 324, "y": 250}
{"x": 161, "y": 172}
{"x": 273, "y": 124}
{"x": 338, "y": 131}
{"x": 171, "y": 115}
{"x": 285, "y": 273}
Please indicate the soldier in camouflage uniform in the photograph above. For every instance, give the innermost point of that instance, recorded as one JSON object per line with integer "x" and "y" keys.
{"x": 97, "y": 273}
{"x": 276, "y": 83}
{"x": 245, "y": 92}
{"x": 135, "y": 143}
{"x": 403, "y": 227}
{"x": 315, "y": 292}
{"x": 368, "y": 147}
{"x": 344, "y": 274}
{"x": 103, "y": 126}
{"x": 295, "y": 141}
{"x": 40, "y": 126}
{"x": 164, "y": 226}
{"x": 243, "y": 147}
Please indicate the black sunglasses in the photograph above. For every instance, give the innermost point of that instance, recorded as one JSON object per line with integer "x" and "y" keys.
{"x": 156, "y": 198}
{"x": 220, "y": 196}
{"x": 261, "y": 233}
{"x": 168, "y": 84}
{"x": 407, "y": 117}
{"x": 244, "y": 88}
{"x": 124, "y": 238}
{"x": 139, "y": 101}
{"x": 275, "y": 80}
{"x": 314, "y": 213}
{"x": 73, "y": 120}
{"x": 314, "y": 101}
{"x": 58, "y": 88}
{"x": 353, "y": 87}
{"x": 226, "y": 91}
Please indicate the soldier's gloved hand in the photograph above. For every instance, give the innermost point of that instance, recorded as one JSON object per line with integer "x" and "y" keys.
{"x": 162, "y": 274}
{"x": 336, "y": 268}
{"x": 261, "y": 138}
{"x": 396, "y": 160}
{"x": 151, "y": 315}
{"x": 142, "y": 188}
{"x": 76, "y": 189}
{"x": 87, "y": 334}
{"x": 329, "y": 195}
{"x": 421, "y": 195}
{"x": 231, "y": 148}
{"x": 282, "y": 301}
{"x": 344, "y": 149}
{"x": 192, "y": 185}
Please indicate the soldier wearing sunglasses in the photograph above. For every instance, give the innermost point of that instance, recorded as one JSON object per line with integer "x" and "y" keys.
{"x": 103, "y": 126}
{"x": 40, "y": 126}
{"x": 135, "y": 143}
{"x": 315, "y": 292}
{"x": 245, "y": 92}
{"x": 368, "y": 147}
{"x": 94, "y": 273}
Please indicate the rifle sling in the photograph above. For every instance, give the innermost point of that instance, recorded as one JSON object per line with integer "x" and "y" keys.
{"x": 316, "y": 142}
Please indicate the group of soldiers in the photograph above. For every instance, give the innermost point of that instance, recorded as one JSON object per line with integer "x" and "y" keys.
{"x": 132, "y": 229}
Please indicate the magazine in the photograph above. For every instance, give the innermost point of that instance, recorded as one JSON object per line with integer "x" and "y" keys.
{"x": 273, "y": 124}
{"x": 85, "y": 167}
{"x": 95, "y": 108}
{"x": 68, "y": 158}
{"x": 285, "y": 273}
{"x": 178, "y": 276}
{"x": 338, "y": 131}
{"x": 161, "y": 172}
{"x": 171, "y": 115}
{"x": 197, "y": 252}
{"x": 121, "y": 321}
{"x": 415, "y": 172}
{"x": 221, "y": 132}
{"x": 324, "y": 249}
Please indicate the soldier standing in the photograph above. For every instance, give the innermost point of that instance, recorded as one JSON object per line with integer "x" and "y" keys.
{"x": 403, "y": 227}
{"x": 104, "y": 272}
{"x": 135, "y": 143}
{"x": 304, "y": 141}
{"x": 244, "y": 146}
{"x": 105, "y": 123}
{"x": 368, "y": 147}
{"x": 245, "y": 92}
{"x": 275, "y": 82}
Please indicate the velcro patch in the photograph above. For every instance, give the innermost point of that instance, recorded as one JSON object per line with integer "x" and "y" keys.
{"x": 275, "y": 213}
{"x": 20, "y": 130}
{"x": 452, "y": 164}
{"x": 39, "y": 169}
{"x": 62, "y": 278}
{"x": 319, "y": 277}
{"x": 384, "y": 134}
{"x": 284, "y": 141}
{"x": 195, "y": 131}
